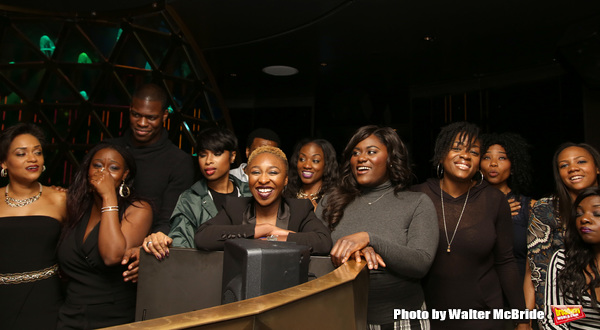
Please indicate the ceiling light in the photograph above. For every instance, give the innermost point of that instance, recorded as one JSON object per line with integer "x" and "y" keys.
{"x": 280, "y": 70}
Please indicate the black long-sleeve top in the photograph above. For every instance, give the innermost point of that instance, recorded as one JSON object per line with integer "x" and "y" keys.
{"x": 163, "y": 173}
{"x": 481, "y": 267}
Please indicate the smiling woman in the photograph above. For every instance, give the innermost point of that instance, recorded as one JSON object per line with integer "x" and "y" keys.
{"x": 575, "y": 168}
{"x": 316, "y": 170}
{"x": 374, "y": 216}
{"x": 475, "y": 229}
{"x": 30, "y": 220}
{"x": 267, "y": 214}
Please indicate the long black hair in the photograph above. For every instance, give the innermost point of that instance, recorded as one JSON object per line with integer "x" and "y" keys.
{"x": 398, "y": 169}
{"x": 517, "y": 151}
{"x": 330, "y": 169}
{"x": 80, "y": 196}
{"x": 562, "y": 198}
{"x": 580, "y": 259}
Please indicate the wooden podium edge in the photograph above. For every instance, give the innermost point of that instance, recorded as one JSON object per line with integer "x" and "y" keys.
{"x": 346, "y": 273}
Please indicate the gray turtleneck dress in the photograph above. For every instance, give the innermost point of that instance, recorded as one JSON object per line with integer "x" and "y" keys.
{"x": 402, "y": 228}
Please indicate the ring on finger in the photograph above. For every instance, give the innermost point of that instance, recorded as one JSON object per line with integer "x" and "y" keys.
{"x": 148, "y": 243}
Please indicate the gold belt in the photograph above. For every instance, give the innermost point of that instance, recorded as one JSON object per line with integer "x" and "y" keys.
{"x": 36, "y": 275}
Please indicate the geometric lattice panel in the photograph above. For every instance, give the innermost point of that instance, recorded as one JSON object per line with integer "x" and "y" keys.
{"x": 74, "y": 78}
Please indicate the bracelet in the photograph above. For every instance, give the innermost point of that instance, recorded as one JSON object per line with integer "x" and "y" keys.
{"x": 109, "y": 209}
{"x": 272, "y": 238}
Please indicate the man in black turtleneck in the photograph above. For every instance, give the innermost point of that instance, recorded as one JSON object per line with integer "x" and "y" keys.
{"x": 163, "y": 170}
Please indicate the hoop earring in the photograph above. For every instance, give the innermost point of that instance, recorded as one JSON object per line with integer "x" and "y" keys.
{"x": 480, "y": 181}
{"x": 43, "y": 168}
{"x": 4, "y": 173}
{"x": 123, "y": 187}
{"x": 439, "y": 170}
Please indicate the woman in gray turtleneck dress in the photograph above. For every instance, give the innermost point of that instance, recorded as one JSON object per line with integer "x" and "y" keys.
{"x": 373, "y": 216}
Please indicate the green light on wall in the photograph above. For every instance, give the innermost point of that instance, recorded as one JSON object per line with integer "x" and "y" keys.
{"x": 47, "y": 46}
{"x": 84, "y": 95}
{"x": 84, "y": 59}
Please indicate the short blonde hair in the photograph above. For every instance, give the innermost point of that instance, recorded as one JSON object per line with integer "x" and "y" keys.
{"x": 269, "y": 149}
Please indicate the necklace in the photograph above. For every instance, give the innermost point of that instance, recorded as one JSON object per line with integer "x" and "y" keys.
{"x": 12, "y": 202}
{"x": 302, "y": 195}
{"x": 375, "y": 201}
{"x": 459, "y": 218}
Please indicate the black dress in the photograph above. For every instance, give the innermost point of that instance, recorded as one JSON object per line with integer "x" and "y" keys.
{"x": 29, "y": 245}
{"x": 96, "y": 294}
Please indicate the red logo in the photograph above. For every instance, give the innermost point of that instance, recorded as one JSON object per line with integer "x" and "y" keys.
{"x": 567, "y": 313}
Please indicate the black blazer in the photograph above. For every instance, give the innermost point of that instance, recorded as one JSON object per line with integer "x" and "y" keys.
{"x": 228, "y": 224}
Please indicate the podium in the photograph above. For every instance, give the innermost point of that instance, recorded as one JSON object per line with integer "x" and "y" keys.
{"x": 184, "y": 292}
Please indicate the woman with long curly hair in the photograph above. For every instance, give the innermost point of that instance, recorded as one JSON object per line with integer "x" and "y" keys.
{"x": 506, "y": 165}
{"x": 105, "y": 218}
{"x": 374, "y": 216}
{"x": 575, "y": 168}
{"x": 313, "y": 170}
{"x": 573, "y": 276}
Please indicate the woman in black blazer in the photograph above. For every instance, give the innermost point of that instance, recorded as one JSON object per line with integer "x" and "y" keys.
{"x": 265, "y": 215}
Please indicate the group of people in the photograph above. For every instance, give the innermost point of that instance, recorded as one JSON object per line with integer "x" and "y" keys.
{"x": 469, "y": 238}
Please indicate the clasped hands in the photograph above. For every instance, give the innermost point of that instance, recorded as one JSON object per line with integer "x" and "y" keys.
{"x": 261, "y": 231}
{"x": 355, "y": 245}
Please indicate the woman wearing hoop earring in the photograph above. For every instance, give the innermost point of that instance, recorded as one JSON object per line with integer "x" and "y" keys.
{"x": 105, "y": 219}
{"x": 474, "y": 267}
{"x": 31, "y": 218}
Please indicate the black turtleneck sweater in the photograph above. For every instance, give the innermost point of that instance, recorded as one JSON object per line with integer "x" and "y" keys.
{"x": 163, "y": 173}
{"x": 402, "y": 228}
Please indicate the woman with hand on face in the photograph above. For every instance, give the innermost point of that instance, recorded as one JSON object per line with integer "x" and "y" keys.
{"x": 316, "y": 170}
{"x": 105, "y": 219}
{"x": 575, "y": 168}
{"x": 30, "y": 219}
{"x": 265, "y": 215}
{"x": 373, "y": 216}
{"x": 573, "y": 275}
{"x": 474, "y": 267}
{"x": 216, "y": 152}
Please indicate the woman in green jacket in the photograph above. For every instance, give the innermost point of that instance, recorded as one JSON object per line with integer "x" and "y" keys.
{"x": 216, "y": 151}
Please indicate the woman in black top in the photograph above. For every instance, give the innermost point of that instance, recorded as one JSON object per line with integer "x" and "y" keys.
{"x": 104, "y": 220}
{"x": 266, "y": 214}
{"x": 474, "y": 267}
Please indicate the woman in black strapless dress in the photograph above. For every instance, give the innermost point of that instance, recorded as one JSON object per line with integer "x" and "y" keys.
{"x": 30, "y": 220}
